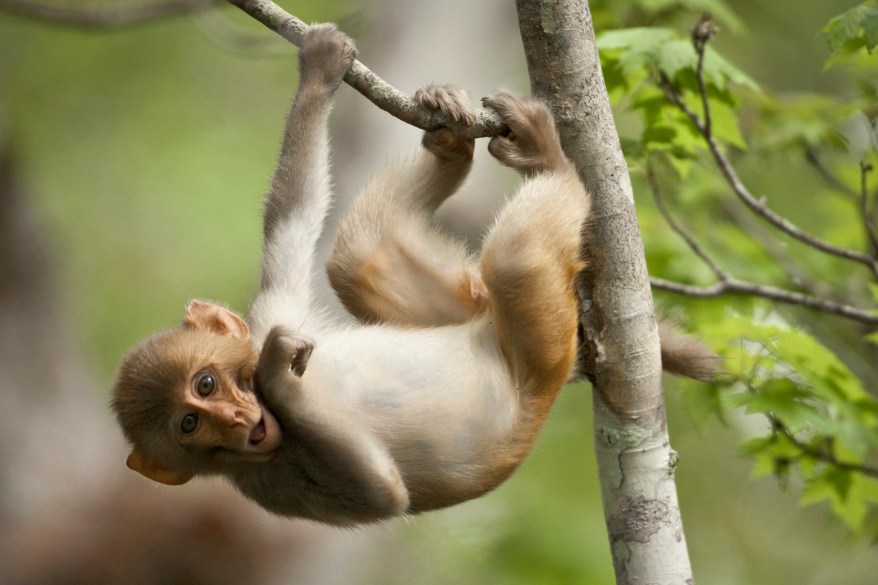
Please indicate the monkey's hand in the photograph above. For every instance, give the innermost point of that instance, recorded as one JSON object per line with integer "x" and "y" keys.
{"x": 282, "y": 363}
{"x": 455, "y": 105}
{"x": 325, "y": 56}
{"x": 532, "y": 145}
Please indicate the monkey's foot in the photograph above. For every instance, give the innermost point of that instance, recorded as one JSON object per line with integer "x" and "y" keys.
{"x": 531, "y": 146}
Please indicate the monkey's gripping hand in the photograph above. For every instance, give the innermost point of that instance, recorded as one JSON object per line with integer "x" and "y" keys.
{"x": 455, "y": 105}
{"x": 532, "y": 145}
{"x": 282, "y": 363}
{"x": 325, "y": 56}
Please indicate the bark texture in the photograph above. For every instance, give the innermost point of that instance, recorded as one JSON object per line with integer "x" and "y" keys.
{"x": 621, "y": 351}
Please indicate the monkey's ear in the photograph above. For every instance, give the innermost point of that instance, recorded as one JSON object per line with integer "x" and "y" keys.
{"x": 156, "y": 470}
{"x": 215, "y": 319}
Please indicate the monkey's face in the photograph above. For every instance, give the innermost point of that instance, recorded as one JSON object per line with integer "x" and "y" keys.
{"x": 219, "y": 418}
{"x": 185, "y": 399}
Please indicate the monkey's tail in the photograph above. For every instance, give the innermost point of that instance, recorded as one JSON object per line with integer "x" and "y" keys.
{"x": 685, "y": 355}
{"x": 682, "y": 355}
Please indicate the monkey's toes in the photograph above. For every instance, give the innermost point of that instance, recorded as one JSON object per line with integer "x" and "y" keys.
{"x": 451, "y": 101}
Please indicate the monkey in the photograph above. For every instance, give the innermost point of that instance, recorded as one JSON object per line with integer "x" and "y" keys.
{"x": 437, "y": 393}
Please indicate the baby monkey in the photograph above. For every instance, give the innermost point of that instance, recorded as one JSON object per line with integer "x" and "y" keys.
{"x": 437, "y": 395}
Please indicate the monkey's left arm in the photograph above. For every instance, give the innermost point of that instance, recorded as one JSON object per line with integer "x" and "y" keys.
{"x": 300, "y": 193}
{"x": 358, "y": 478}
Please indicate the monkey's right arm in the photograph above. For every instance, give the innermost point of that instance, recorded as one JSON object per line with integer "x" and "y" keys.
{"x": 358, "y": 478}
{"x": 300, "y": 193}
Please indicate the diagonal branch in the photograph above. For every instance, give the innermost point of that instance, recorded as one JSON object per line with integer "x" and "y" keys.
{"x": 735, "y": 286}
{"x": 721, "y": 274}
{"x": 830, "y": 179}
{"x": 758, "y": 206}
{"x": 106, "y": 15}
{"x": 375, "y": 89}
{"x": 865, "y": 169}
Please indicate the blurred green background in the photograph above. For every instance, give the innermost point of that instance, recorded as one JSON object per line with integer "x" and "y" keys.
{"x": 142, "y": 154}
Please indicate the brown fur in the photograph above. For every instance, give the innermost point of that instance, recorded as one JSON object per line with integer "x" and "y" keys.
{"x": 355, "y": 441}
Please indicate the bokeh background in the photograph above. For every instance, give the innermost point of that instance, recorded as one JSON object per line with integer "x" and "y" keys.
{"x": 131, "y": 178}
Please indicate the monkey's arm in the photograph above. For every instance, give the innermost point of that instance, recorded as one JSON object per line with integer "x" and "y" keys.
{"x": 352, "y": 467}
{"x": 300, "y": 191}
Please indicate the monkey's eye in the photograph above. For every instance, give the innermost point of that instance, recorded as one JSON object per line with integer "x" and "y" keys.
{"x": 205, "y": 385}
{"x": 189, "y": 423}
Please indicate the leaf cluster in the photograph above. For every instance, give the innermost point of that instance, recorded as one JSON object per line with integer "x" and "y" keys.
{"x": 820, "y": 424}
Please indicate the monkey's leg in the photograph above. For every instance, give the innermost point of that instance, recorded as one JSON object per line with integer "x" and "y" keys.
{"x": 531, "y": 255}
{"x": 300, "y": 193}
{"x": 390, "y": 263}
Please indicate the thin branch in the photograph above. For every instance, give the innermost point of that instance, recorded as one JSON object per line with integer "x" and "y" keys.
{"x": 756, "y": 205}
{"x": 375, "y": 89}
{"x": 701, "y": 34}
{"x": 828, "y": 177}
{"x": 721, "y": 274}
{"x": 728, "y": 284}
{"x": 104, "y": 16}
{"x": 735, "y": 286}
{"x": 865, "y": 169}
{"x": 824, "y": 455}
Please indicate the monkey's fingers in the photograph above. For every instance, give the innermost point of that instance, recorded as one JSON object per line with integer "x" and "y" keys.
{"x": 326, "y": 55}
{"x": 450, "y": 100}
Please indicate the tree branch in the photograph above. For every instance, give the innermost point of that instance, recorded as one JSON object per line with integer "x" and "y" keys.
{"x": 721, "y": 274}
{"x": 824, "y": 455}
{"x": 375, "y": 89}
{"x": 830, "y": 179}
{"x": 735, "y": 286}
{"x": 758, "y": 206}
{"x": 104, "y": 16}
{"x": 865, "y": 169}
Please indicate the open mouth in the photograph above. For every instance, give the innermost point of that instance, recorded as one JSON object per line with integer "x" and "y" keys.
{"x": 257, "y": 435}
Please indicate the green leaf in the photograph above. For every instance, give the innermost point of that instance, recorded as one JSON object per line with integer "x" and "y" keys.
{"x": 702, "y": 403}
{"x": 843, "y": 31}
{"x": 870, "y": 29}
{"x": 717, "y": 71}
{"x": 675, "y": 56}
{"x": 638, "y": 39}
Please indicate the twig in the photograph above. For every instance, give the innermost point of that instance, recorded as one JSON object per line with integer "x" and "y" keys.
{"x": 378, "y": 91}
{"x": 103, "y": 16}
{"x": 826, "y": 174}
{"x": 735, "y": 286}
{"x": 728, "y": 284}
{"x": 819, "y": 454}
{"x": 757, "y": 205}
{"x": 701, "y": 34}
{"x": 865, "y": 169}
{"x": 721, "y": 274}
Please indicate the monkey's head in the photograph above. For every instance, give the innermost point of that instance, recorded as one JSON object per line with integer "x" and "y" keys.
{"x": 185, "y": 401}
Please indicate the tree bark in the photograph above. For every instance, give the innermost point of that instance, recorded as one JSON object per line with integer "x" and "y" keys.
{"x": 621, "y": 350}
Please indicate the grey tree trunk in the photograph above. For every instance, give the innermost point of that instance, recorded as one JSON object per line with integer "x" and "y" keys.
{"x": 621, "y": 353}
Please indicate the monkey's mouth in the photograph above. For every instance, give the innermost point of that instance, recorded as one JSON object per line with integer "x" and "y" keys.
{"x": 257, "y": 435}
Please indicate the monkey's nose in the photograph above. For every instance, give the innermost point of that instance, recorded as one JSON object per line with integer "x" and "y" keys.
{"x": 230, "y": 416}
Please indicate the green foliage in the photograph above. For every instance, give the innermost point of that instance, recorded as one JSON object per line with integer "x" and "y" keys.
{"x": 853, "y": 30}
{"x": 641, "y": 64}
{"x": 821, "y": 423}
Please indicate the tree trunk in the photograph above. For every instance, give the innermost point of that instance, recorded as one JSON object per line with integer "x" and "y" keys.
{"x": 621, "y": 351}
